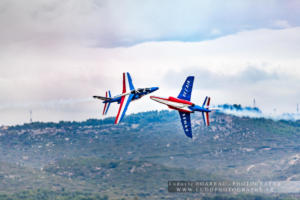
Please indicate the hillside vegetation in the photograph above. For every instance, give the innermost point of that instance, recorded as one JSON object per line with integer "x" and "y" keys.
{"x": 95, "y": 159}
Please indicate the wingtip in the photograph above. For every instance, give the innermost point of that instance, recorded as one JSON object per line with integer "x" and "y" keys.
{"x": 153, "y": 97}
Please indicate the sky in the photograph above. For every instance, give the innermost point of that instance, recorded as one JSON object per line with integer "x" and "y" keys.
{"x": 55, "y": 55}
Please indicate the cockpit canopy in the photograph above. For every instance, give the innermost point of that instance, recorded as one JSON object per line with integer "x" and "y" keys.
{"x": 143, "y": 89}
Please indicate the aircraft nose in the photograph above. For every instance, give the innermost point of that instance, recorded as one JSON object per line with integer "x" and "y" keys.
{"x": 154, "y": 89}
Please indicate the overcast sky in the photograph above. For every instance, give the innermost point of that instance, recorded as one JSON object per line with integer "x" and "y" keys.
{"x": 55, "y": 55}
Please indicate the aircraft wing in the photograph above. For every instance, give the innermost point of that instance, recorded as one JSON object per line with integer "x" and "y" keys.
{"x": 186, "y": 90}
{"x": 126, "y": 98}
{"x": 186, "y": 123}
{"x": 125, "y": 101}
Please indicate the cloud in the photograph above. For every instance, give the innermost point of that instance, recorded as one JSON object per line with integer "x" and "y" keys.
{"x": 103, "y": 23}
{"x": 261, "y": 64}
{"x": 252, "y": 75}
{"x": 281, "y": 24}
{"x": 214, "y": 80}
{"x": 215, "y": 31}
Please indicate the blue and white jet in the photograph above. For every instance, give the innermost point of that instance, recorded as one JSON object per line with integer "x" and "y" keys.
{"x": 183, "y": 105}
{"x": 129, "y": 94}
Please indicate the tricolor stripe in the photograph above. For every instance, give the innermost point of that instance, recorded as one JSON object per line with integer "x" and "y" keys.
{"x": 128, "y": 100}
{"x": 204, "y": 102}
{"x": 124, "y": 84}
{"x": 208, "y": 102}
{"x": 104, "y": 109}
{"x": 127, "y": 85}
{"x": 131, "y": 87}
{"x": 174, "y": 103}
{"x": 180, "y": 101}
{"x": 207, "y": 118}
{"x": 207, "y": 113}
{"x": 204, "y": 120}
{"x": 180, "y": 110}
{"x": 109, "y": 95}
{"x": 121, "y": 108}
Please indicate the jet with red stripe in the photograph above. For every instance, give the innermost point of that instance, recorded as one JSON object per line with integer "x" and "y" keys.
{"x": 185, "y": 107}
{"x": 129, "y": 93}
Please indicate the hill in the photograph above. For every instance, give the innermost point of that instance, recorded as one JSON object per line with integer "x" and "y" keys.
{"x": 139, "y": 156}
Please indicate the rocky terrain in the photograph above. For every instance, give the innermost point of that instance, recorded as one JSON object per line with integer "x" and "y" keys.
{"x": 137, "y": 158}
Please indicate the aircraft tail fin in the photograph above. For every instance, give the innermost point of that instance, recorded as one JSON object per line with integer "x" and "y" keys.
{"x": 205, "y": 115}
{"x": 127, "y": 83}
{"x": 129, "y": 80}
{"x": 206, "y": 102}
{"x": 107, "y": 104}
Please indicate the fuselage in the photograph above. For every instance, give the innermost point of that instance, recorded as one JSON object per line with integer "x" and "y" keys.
{"x": 137, "y": 94}
{"x": 180, "y": 104}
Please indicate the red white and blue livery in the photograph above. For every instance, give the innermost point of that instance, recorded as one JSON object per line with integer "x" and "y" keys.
{"x": 185, "y": 107}
{"x": 129, "y": 93}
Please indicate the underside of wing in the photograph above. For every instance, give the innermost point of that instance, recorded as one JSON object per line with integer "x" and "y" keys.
{"x": 186, "y": 123}
{"x": 186, "y": 90}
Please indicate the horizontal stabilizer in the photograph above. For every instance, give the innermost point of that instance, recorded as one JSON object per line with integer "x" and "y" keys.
{"x": 102, "y": 98}
{"x": 205, "y": 115}
{"x": 106, "y": 105}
